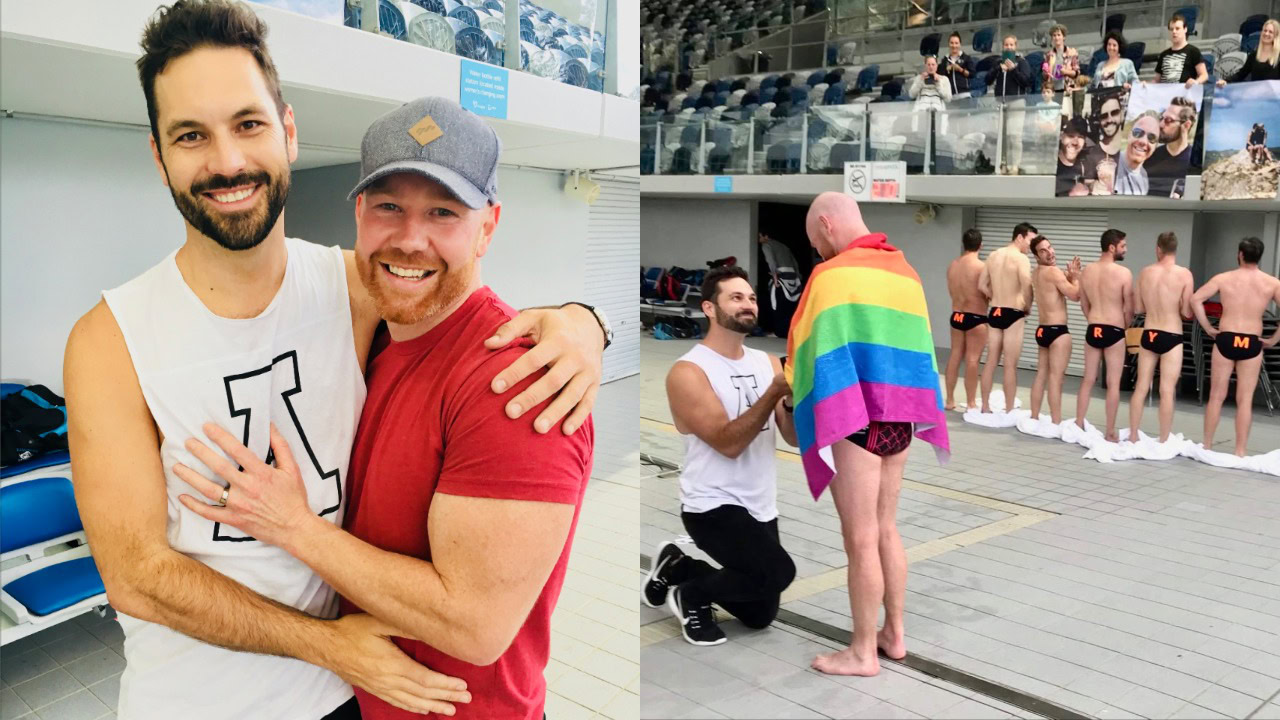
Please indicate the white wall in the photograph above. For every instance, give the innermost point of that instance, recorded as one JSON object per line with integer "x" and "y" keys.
{"x": 1222, "y": 233}
{"x": 688, "y": 233}
{"x": 83, "y": 210}
{"x": 537, "y": 253}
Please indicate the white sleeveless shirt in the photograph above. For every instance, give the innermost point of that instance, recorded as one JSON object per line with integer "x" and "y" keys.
{"x": 709, "y": 478}
{"x": 295, "y": 365}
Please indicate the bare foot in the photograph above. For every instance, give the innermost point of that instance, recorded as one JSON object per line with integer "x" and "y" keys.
{"x": 895, "y": 648}
{"x": 1112, "y": 436}
{"x": 845, "y": 662}
{"x": 949, "y": 405}
{"x": 986, "y": 409}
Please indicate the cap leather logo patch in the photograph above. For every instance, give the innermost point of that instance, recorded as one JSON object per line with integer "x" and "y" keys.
{"x": 426, "y": 131}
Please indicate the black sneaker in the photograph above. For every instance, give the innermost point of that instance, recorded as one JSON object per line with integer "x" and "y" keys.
{"x": 697, "y": 623}
{"x": 659, "y": 580}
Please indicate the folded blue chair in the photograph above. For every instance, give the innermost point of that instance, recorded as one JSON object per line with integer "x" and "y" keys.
{"x": 867, "y": 77}
{"x": 1134, "y": 52}
{"x": 1250, "y": 42}
{"x": 1190, "y": 12}
{"x": 834, "y": 94}
{"x": 1252, "y": 24}
{"x": 37, "y": 515}
{"x": 983, "y": 38}
{"x": 815, "y": 77}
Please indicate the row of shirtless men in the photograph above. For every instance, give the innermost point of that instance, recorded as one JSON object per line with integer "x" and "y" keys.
{"x": 990, "y": 300}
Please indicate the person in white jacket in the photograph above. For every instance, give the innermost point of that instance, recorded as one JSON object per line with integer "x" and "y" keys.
{"x": 931, "y": 91}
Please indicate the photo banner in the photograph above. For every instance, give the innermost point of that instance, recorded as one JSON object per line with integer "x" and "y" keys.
{"x": 1242, "y": 143}
{"x": 1129, "y": 141}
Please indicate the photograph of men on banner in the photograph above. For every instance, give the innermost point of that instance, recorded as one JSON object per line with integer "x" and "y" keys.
{"x": 1134, "y": 141}
{"x": 1242, "y": 144}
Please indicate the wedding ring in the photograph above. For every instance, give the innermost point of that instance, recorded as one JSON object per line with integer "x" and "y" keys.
{"x": 222, "y": 501}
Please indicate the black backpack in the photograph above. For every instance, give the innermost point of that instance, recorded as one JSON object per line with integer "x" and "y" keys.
{"x": 33, "y": 421}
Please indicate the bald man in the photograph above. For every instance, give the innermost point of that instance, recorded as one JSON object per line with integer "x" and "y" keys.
{"x": 869, "y": 463}
{"x": 1164, "y": 295}
{"x": 1006, "y": 280}
{"x": 1053, "y": 288}
{"x": 1237, "y": 343}
{"x": 1106, "y": 297}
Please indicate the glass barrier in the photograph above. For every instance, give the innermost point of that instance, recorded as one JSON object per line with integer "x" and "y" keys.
{"x": 971, "y": 136}
{"x": 968, "y": 135}
{"x": 898, "y": 132}
{"x": 1031, "y": 129}
{"x": 837, "y": 135}
{"x": 563, "y": 40}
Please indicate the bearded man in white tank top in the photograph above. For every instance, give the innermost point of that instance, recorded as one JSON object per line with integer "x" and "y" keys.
{"x": 262, "y": 334}
{"x": 723, "y": 397}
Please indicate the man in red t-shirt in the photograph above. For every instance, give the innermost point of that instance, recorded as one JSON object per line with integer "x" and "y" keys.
{"x": 459, "y": 522}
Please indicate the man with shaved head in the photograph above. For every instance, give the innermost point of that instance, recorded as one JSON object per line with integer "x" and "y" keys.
{"x": 864, "y": 381}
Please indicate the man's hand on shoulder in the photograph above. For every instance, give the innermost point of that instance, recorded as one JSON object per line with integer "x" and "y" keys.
{"x": 569, "y": 342}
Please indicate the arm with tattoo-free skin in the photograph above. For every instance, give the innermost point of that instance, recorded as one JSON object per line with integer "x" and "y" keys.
{"x": 1068, "y": 283}
{"x": 700, "y": 412}
{"x": 122, "y": 499}
{"x": 1205, "y": 292}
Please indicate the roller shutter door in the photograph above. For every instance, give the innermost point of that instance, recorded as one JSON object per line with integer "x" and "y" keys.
{"x": 612, "y": 267}
{"x": 1075, "y": 232}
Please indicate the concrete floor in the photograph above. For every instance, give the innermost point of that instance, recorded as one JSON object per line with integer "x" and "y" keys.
{"x": 1136, "y": 589}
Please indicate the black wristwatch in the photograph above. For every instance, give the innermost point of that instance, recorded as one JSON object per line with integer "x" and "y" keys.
{"x": 600, "y": 318}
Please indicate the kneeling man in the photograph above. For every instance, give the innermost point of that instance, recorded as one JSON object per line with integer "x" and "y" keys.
{"x": 723, "y": 396}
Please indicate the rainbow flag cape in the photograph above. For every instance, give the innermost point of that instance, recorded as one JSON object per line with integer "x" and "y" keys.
{"x": 860, "y": 349}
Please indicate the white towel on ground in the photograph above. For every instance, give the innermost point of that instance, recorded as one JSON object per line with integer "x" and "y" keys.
{"x": 997, "y": 418}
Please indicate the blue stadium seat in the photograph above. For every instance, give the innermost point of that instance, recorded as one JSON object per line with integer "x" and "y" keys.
{"x": 929, "y": 44}
{"x": 983, "y": 38}
{"x": 1134, "y": 51}
{"x": 1034, "y": 61}
{"x": 1251, "y": 24}
{"x": 867, "y": 77}
{"x": 706, "y": 101}
{"x": 1250, "y": 42}
{"x": 799, "y": 95}
{"x": 767, "y": 95}
{"x": 769, "y": 83}
{"x": 842, "y": 153}
{"x": 987, "y": 64}
{"x": 691, "y": 134}
{"x": 1114, "y": 22}
{"x": 38, "y": 515}
{"x": 815, "y": 77}
{"x": 783, "y": 157}
{"x": 834, "y": 94}
{"x": 1208, "y": 63}
{"x": 723, "y": 86}
{"x": 688, "y": 103}
{"x": 722, "y": 98}
{"x": 892, "y": 90}
{"x": 979, "y": 86}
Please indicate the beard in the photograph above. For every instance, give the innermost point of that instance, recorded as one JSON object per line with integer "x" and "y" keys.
{"x": 1172, "y": 136}
{"x": 449, "y": 284}
{"x": 241, "y": 230}
{"x": 735, "y": 323}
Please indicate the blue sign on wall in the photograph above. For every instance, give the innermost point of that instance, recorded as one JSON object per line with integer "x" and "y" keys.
{"x": 724, "y": 183}
{"x": 483, "y": 89}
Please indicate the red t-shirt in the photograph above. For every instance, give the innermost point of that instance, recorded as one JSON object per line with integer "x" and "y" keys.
{"x": 431, "y": 424}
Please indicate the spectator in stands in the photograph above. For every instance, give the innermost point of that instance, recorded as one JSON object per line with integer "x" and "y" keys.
{"x": 1010, "y": 79}
{"x": 1061, "y": 66}
{"x": 1262, "y": 63}
{"x": 1070, "y": 175}
{"x": 1131, "y": 176}
{"x": 1115, "y": 71}
{"x": 930, "y": 90}
{"x": 957, "y": 66}
{"x": 1012, "y": 76}
{"x": 1181, "y": 62}
{"x": 1170, "y": 162}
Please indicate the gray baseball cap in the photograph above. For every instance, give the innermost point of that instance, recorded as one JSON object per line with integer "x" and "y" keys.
{"x": 438, "y": 139}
